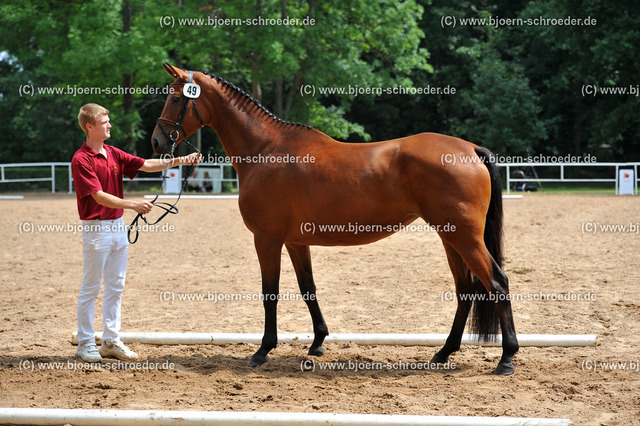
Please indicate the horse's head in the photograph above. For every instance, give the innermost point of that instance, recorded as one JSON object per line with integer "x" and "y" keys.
{"x": 180, "y": 117}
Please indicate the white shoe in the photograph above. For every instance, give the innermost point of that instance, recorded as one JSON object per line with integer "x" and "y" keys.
{"x": 88, "y": 351}
{"x": 117, "y": 350}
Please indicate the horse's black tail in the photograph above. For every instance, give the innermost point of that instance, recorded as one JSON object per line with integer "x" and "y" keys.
{"x": 485, "y": 321}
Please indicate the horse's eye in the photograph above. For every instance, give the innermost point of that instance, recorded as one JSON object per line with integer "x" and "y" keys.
{"x": 176, "y": 98}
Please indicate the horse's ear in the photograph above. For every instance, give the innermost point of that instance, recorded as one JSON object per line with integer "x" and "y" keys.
{"x": 170, "y": 69}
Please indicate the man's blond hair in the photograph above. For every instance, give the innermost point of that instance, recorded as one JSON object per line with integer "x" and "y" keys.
{"x": 90, "y": 113}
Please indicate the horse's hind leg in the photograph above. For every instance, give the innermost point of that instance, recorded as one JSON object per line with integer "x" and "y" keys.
{"x": 464, "y": 285}
{"x": 483, "y": 266}
{"x": 301, "y": 259}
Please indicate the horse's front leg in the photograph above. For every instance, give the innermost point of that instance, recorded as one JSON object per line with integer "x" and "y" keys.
{"x": 269, "y": 257}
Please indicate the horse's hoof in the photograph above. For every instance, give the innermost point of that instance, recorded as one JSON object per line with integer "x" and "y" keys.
{"x": 504, "y": 369}
{"x": 257, "y": 360}
{"x": 439, "y": 359}
{"x": 319, "y": 351}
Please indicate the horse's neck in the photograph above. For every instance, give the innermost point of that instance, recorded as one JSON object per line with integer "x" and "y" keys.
{"x": 240, "y": 133}
{"x": 245, "y": 129}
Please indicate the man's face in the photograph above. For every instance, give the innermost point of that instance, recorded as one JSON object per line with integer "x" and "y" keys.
{"x": 101, "y": 129}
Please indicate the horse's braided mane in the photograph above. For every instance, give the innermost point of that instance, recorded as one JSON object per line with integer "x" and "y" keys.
{"x": 245, "y": 99}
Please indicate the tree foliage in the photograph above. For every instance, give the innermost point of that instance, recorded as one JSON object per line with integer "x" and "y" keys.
{"x": 517, "y": 88}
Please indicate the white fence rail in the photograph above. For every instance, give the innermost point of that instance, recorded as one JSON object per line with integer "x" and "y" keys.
{"x": 218, "y": 180}
{"x": 510, "y": 167}
{"x": 51, "y": 178}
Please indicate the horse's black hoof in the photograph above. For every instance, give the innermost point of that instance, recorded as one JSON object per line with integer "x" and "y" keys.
{"x": 504, "y": 369}
{"x": 257, "y": 360}
{"x": 439, "y": 359}
{"x": 319, "y": 351}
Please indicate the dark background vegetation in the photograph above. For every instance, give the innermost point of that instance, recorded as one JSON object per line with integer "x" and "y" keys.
{"x": 518, "y": 88}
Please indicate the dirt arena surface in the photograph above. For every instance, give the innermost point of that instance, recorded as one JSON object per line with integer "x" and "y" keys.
{"x": 398, "y": 285}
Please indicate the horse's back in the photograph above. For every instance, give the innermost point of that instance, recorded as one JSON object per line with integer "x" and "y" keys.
{"x": 388, "y": 182}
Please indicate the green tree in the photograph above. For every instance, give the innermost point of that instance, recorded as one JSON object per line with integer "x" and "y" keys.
{"x": 493, "y": 103}
{"x": 114, "y": 44}
{"x": 560, "y": 60}
{"x": 504, "y": 109}
{"x": 80, "y": 52}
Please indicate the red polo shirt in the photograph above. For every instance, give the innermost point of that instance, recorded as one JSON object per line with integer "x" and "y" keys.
{"x": 93, "y": 172}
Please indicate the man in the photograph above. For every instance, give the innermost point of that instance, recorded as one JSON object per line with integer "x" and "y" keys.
{"x": 97, "y": 170}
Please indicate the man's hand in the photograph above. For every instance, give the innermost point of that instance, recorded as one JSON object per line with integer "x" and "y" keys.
{"x": 194, "y": 159}
{"x": 142, "y": 207}
{"x": 158, "y": 165}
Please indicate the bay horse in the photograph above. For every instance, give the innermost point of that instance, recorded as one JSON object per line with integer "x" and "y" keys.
{"x": 294, "y": 179}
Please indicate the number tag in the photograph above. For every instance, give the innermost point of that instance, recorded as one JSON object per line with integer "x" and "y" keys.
{"x": 191, "y": 90}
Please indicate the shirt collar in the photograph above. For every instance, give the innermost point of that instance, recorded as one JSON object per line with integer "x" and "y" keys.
{"x": 91, "y": 152}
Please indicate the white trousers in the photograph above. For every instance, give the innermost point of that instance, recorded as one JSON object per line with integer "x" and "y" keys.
{"x": 104, "y": 255}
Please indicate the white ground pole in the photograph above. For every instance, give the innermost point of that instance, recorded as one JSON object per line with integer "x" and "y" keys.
{"x": 163, "y": 338}
{"x": 52, "y": 416}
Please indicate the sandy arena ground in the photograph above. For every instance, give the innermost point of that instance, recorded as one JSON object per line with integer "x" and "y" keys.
{"x": 398, "y": 285}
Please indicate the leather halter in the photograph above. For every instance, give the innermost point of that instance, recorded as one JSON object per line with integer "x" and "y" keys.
{"x": 167, "y": 207}
{"x": 177, "y": 125}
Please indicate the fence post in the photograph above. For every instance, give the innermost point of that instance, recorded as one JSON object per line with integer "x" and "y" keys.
{"x": 70, "y": 179}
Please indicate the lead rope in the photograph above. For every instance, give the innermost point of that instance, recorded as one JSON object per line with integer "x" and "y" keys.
{"x": 167, "y": 207}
